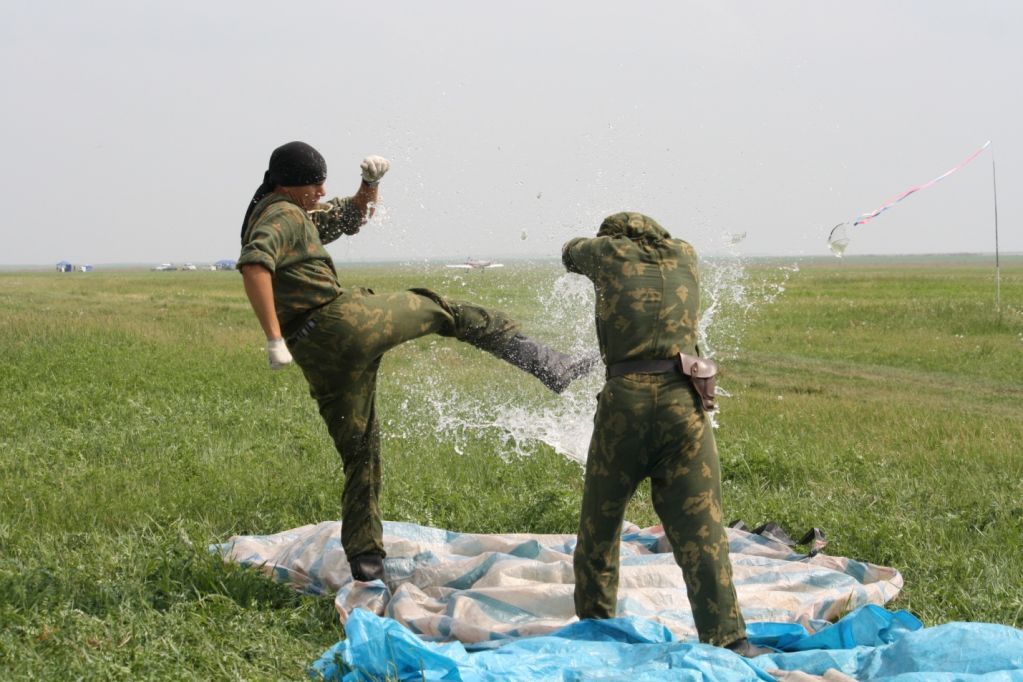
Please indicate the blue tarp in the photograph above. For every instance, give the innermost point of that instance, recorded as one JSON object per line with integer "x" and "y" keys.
{"x": 870, "y": 643}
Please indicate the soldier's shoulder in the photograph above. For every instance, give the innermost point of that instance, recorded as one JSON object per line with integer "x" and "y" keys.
{"x": 285, "y": 210}
{"x": 281, "y": 216}
{"x": 683, "y": 246}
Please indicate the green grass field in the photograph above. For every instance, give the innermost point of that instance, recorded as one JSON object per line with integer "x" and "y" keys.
{"x": 880, "y": 401}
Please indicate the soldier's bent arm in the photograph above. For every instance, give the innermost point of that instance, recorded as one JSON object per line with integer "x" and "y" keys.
{"x": 579, "y": 255}
{"x": 344, "y": 216}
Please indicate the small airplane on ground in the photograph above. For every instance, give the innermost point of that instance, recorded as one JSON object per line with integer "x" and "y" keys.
{"x": 473, "y": 264}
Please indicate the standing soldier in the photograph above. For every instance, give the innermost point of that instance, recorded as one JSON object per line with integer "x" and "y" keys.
{"x": 650, "y": 422}
{"x": 338, "y": 335}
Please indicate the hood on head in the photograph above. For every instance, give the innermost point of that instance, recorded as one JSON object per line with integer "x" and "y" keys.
{"x": 634, "y": 226}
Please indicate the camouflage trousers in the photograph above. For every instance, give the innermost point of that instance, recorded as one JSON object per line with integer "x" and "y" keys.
{"x": 340, "y": 357}
{"x": 649, "y": 425}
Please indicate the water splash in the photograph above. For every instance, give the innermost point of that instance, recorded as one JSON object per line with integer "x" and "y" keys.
{"x": 381, "y": 215}
{"x": 568, "y": 307}
{"x": 732, "y": 292}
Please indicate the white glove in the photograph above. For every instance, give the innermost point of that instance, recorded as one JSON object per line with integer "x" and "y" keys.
{"x": 278, "y": 353}
{"x": 373, "y": 168}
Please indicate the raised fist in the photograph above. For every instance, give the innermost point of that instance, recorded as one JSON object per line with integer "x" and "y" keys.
{"x": 373, "y": 168}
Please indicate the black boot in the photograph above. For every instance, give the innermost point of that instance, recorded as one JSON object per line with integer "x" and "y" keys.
{"x": 556, "y": 370}
{"x": 366, "y": 567}
{"x": 744, "y": 648}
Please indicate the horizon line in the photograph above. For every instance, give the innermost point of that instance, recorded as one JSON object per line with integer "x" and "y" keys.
{"x": 440, "y": 259}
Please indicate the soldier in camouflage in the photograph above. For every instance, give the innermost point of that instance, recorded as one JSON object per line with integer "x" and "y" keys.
{"x": 338, "y": 335}
{"x": 649, "y": 423}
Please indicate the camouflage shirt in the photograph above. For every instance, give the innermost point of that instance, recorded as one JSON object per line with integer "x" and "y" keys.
{"x": 647, "y": 286}
{"x": 288, "y": 242}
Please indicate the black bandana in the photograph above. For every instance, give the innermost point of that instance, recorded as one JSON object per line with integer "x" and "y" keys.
{"x": 291, "y": 165}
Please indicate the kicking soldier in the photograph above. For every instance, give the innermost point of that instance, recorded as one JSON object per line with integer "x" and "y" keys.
{"x": 338, "y": 335}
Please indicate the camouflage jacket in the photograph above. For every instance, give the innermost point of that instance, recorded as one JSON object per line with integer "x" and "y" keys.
{"x": 288, "y": 242}
{"x": 647, "y": 286}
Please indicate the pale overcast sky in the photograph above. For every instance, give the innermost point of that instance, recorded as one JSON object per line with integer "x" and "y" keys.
{"x": 136, "y": 131}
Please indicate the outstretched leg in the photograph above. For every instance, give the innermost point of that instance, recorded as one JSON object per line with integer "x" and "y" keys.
{"x": 494, "y": 332}
{"x": 555, "y": 369}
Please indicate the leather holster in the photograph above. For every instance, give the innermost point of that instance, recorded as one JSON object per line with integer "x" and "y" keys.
{"x": 702, "y": 373}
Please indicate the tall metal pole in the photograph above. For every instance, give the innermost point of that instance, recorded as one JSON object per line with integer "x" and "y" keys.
{"x": 998, "y": 265}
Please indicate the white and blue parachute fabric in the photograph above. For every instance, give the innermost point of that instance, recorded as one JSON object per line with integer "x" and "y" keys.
{"x": 473, "y": 588}
{"x": 867, "y": 644}
{"x": 490, "y": 608}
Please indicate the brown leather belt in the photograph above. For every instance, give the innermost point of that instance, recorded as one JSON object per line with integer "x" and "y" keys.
{"x": 643, "y": 367}
{"x": 702, "y": 373}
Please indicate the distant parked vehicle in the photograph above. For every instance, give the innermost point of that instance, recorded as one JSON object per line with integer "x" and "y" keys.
{"x": 164, "y": 267}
